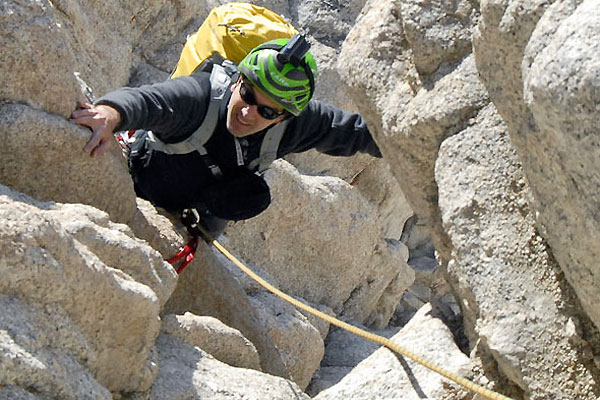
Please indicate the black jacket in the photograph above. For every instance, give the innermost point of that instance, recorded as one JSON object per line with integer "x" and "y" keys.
{"x": 174, "y": 109}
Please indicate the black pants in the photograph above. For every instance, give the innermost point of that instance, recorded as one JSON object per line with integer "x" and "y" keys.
{"x": 215, "y": 226}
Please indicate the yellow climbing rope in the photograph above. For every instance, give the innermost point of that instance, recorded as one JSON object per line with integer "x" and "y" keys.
{"x": 475, "y": 388}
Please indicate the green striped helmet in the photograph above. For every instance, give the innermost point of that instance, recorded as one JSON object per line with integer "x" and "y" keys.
{"x": 289, "y": 82}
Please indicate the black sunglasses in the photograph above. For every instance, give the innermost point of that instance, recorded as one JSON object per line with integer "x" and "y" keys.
{"x": 247, "y": 94}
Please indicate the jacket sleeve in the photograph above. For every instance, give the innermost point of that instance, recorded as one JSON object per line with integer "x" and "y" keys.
{"x": 172, "y": 109}
{"x": 329, "y": 130}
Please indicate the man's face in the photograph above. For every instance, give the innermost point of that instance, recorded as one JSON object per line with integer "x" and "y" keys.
{"x": 243, "y": 115}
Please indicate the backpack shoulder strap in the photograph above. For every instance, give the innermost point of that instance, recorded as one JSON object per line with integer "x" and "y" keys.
{"x": 269, "y": 146}
{"x": 220, "y": 78}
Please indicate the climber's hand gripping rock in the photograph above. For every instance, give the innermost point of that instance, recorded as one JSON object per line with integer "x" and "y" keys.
{"x": 102, "y": 120}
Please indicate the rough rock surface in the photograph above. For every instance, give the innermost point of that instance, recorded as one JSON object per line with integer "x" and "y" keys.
{"x": 438, "y": 32}
{"x": 354, "y": 282}
{"x": 187, "y": 372}
{"x": 211, "y": 335}
{"x": 343, "y": 352}
{"x": 410, "y": 113}
{"x": 328, "y": 23}
{"x": 46, "y": 148}
{"x": 298, "y": 341}
{"x": 550, "y": 104}
{"x": 17, "y": 393}
{"x": 61, "y": 259}
{"x": 32, "y": 357}
{"x": 95, "y": 40}
{"x": 513, "y": 292}
{"x": 289, "y": 343}
{"x": 171, "y": 23}
{"x": 522, "y": 48}
{"x": 385, "y": 375}
{"x": 24, "y": 23}
{"x": 373, "y": 179}
{"x": 207, "y": 288}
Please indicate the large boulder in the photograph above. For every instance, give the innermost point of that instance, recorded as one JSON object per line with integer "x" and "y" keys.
{"x": 224, "y": 343}
{"x": 298, "y": 341}
{"x": 411, "y": 96}
{"x": 289, "y": 343}
{"x": 538, "y": 62}
{"x": 513, "y": 294}
{"x": 373, "y": 180}
{"x": 206, "y": 287}
{"x": 339, "y": 258}
{"x": 42, "y": 157}
{"x": 34, "y": 356}
{"x": 187, "y": 372}
{"x": 415, "y": 112}
{"x": 30, "y": 73}
{"x": 104, "y": 286}
{"x": 46, "y": 42}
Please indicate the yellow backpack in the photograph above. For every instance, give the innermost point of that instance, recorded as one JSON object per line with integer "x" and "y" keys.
{"x": 229, "y": 32}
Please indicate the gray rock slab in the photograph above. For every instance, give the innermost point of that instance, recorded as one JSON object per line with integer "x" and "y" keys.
{"x": 187, "y": 372}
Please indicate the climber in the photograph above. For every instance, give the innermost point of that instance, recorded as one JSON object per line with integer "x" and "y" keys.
{"x": 202, "y": 140}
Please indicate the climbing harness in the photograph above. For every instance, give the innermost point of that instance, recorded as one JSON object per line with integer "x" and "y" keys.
{"x": 472, "y": 386}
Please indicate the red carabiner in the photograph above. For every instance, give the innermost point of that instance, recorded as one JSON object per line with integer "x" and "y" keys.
{"x": 186, "y": 252}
